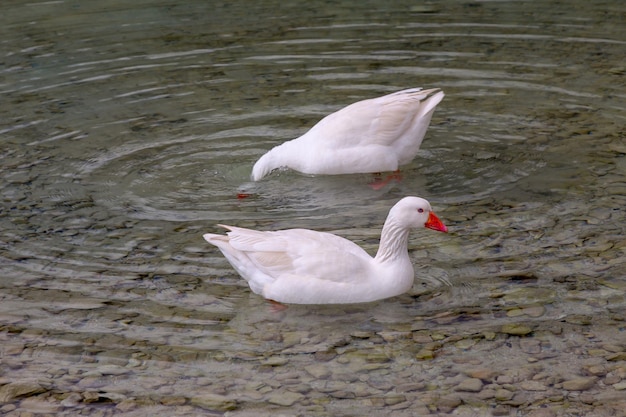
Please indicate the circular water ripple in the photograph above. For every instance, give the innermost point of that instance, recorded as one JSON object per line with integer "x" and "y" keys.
{"x": 198, "y": 178}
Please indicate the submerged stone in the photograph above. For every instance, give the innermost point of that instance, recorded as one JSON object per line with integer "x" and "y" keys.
{"x": 214, "y": 402}
{"x": 516, "y": 329}
{"x": 579, "y": 384}
{"x": 470, "y": 385}
{"x": 13, "y": 390}
{"x": 284, "y": 398}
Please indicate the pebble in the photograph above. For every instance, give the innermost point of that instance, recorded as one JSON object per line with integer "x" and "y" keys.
{"x": 90, "y": 396}
{"x": 580, "y": 319}
{"x": 170, "y": 400}
{"x": 519, "y": 398}
{"x": 13, "y": 349}
{"x": 391, "y": 337}
{"x": 377, "y": 357}
{"x": 612, "y": 348}
{"x": 503, "y": 394}
{"x": 470, "y": 385}
{"x": 72, "y": 400}
{"x": 13, "y": 390}
{"x": 488, "y": 335}
{"x": 394, "y": 399}
{"x": 531, "y": 295}
{"x": 579, "y": 384}
{"x": 275, "y": 361}
{"x": 342, "y": 394}
{"x": 362, "y": 334}
{"x": 516, "y": 329}
{"x": 424, "y": 354}
{"x": 285, "y": 398}
{"x": 411, "y": 386}
{"x": 587, "y": 398}
{"x": 541, "y": 412}
{"x": 620, "y": 386}
{"x": 448, "y": 403}
{"x": 533, "y": 386}
{"x": 515, "y": 312}
{"x": 616, "y": 357}
{"x": 214, "y": 402}
{"x": 294, "y": 338}
{"x": 530, "y": 346}
{"x": 39, "y": 405}
{"x": 534, "y": 311}
{"x": 326, "y": 355}
{"x": 484, "y": 374}
{"x": 422, "y": 337}
{"x": 127, "y": 405}
{"x": 465, "y": 343}
{"x": 486, "y": 393}
{"x": 501, "y": 411}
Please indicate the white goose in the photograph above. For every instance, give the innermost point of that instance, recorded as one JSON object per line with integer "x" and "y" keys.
{"x": 300, "y": 266}
{"x": 375, "y": 135}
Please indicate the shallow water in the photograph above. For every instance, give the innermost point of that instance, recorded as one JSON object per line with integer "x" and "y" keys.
{"x": 129, "y": 129}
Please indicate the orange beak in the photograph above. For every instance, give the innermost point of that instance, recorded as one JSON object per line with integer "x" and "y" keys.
{"x": 435, "y": 224}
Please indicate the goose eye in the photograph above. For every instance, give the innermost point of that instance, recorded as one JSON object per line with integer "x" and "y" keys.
{"x": 420, "y": 210}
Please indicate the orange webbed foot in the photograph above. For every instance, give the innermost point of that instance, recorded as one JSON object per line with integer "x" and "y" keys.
{"x": 379, "y": 183}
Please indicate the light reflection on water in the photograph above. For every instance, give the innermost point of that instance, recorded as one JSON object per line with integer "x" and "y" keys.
{"x": 129, "y": 130}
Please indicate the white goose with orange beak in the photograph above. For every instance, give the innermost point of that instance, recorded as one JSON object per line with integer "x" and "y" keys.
{"x": 299, "y": 266}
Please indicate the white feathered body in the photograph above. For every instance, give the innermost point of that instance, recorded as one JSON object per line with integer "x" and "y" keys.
{"x": 374, "y": 135}
{"x": 302, "y": 266}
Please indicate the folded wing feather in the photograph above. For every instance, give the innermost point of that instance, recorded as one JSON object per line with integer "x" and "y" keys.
{"x": 305, "y": 253}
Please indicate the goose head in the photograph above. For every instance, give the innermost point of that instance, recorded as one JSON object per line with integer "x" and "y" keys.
{"x": 415, "y": 212}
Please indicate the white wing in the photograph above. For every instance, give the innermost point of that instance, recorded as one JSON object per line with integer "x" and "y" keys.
{"x": 377, "y": 121}
{"x": 300, "y": 252}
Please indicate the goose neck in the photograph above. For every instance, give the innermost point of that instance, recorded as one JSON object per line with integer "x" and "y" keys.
{"x": 394, "y": 240}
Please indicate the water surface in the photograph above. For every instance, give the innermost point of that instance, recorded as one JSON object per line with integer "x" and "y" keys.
{"x": 129, "y": 129}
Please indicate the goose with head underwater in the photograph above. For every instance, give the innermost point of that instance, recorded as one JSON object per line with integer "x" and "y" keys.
{"x": 375, "y": 135}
